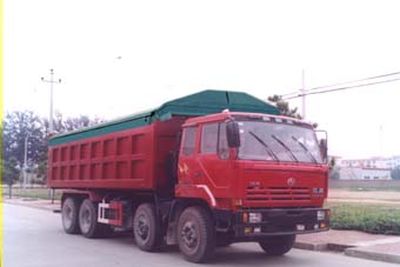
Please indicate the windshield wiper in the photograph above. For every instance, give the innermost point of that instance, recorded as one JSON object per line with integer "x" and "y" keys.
{"x": 267, "y": 148}
{"x": 285, "y": 146}
{"x": 305, "y": 149}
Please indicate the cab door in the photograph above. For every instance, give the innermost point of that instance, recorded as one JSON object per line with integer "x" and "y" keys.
{"x": 213, "y": 158}
{"x": 188, "y": 168}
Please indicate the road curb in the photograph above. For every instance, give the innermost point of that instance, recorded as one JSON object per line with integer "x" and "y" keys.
{"x": 322, "y": 246}
{"x": 311, "y": 246}
{"x": 338, "y": 247}
{"x": 352, "y": 251}
{"x": 372, "y": 255}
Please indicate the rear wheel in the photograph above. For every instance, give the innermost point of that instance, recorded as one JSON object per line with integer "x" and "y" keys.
{"x": 88, "y": 224}
{"x": 196, "y": 234}
{"x": 146, "y": 228}
{"x": 278, "y": 245}
{"x": 69, "y": 215}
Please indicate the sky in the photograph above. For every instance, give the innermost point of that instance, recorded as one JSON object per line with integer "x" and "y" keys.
{"x": 119, "y": 57}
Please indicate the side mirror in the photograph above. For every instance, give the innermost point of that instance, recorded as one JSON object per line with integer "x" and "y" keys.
{"x": 324, "y": 149}
{"x": 233, "y": 135}
{"x": 323, "y": 144}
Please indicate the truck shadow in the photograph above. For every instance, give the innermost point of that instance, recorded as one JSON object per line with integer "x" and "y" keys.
{"x": 249, "y": 254}
{"x": 240, "y": 254}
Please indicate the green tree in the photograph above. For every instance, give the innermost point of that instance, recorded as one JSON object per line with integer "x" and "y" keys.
{"x": 283, "y": 107}
{"x": 395, "y": 173}
{"x": 10, "y": 172}
{"x": 19, "y": 126}
{"x": 61, "y": 125}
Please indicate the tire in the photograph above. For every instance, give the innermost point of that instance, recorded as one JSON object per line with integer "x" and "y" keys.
{"x": 146, "y": 228}
{"x": 69, "y": 215}
{"x": 278, "y": 245}
{"x": 196, "y": 234}
{"x": 88, "y": 224}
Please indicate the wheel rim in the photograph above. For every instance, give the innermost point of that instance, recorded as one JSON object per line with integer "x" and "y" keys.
{"x": 142, "y": 227}
{"x": 67, "y": 215}
{"x": 190, "y": 236}
{"x": 85, "y": 220}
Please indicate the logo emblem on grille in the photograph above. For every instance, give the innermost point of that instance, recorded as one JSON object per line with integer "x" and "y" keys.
{"x": 291, "y": 181}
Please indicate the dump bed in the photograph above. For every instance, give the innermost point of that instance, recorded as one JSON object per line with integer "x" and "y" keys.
{"x": 133, "y": 152}
{"x": 131, "y": 158}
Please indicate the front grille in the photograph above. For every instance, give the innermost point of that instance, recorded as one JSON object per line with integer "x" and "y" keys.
{"x": 278, "y": 193}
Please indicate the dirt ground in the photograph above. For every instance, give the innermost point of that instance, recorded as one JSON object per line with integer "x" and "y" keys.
{"x": 379, "y": 197}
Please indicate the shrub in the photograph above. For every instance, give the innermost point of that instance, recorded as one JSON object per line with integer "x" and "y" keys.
{"x": 371, "y": 219}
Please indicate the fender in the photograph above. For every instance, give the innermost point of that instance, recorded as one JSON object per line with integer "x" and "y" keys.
{"x": 201, "y": 191}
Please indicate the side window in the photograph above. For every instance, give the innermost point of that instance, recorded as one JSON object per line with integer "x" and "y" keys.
{"x": 189, "y": 141}
{"x": 209, "y": 138}
{"x": 223, "y": 149}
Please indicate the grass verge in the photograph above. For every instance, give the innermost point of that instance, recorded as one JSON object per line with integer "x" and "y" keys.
{"x": 376, "y": 219}
{"x": 31, "y": 193}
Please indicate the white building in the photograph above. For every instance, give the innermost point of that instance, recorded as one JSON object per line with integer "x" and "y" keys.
{"x": 374, "y": 162}
{"x": 394, "y": 162}
{"x": 364, "y": 173}
{"x": 376, "y": 174}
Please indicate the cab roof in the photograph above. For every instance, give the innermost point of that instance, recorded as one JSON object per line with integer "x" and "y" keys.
{"x": 226, "y": 114}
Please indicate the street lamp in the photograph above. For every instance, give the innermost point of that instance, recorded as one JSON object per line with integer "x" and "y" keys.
{"x": 25, "y": 167}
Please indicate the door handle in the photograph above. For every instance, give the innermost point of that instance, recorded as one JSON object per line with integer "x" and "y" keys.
{"x": 197, "y": 174}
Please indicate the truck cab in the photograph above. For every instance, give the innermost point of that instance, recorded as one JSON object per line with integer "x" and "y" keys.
{"x": 264, "y": 177}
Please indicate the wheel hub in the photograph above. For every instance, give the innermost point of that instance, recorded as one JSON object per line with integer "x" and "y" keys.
{"x": 189, "y": 235}
{"x": 142, "y": 227}
{"x": 67, "y": 214}
{"x": 85, "y": 220}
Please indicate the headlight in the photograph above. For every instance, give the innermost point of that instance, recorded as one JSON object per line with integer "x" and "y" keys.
{"x": 320, "y": 215}
{"x": 255, "y": 217}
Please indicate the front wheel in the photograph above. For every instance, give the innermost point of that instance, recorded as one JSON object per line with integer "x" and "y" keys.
{"x": 196, "y": 234}
{"x": 278, "y": 245}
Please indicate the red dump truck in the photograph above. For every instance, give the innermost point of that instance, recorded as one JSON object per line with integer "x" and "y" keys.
{"x": 201, "y": 171}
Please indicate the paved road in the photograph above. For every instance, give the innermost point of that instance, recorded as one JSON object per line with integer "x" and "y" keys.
{"x": 34, "y": 237}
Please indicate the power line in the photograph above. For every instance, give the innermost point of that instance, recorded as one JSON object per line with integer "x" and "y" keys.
{"x": 342, "y": 83}
{"x": 341, "y": 88}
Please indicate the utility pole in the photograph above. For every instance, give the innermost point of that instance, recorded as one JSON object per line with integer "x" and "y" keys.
{"x": 51, "y": 123}
{"x": 303, "y": 94}
{"x": 52, "y": 82}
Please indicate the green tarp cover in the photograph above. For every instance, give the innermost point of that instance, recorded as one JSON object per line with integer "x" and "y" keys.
{"x": 198, "y": 104}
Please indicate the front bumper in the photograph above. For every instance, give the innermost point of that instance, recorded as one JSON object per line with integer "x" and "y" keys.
{"x": 278, "y": 222}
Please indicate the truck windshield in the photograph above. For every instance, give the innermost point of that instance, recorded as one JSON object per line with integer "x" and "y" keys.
{"x": 261, "y": 140}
